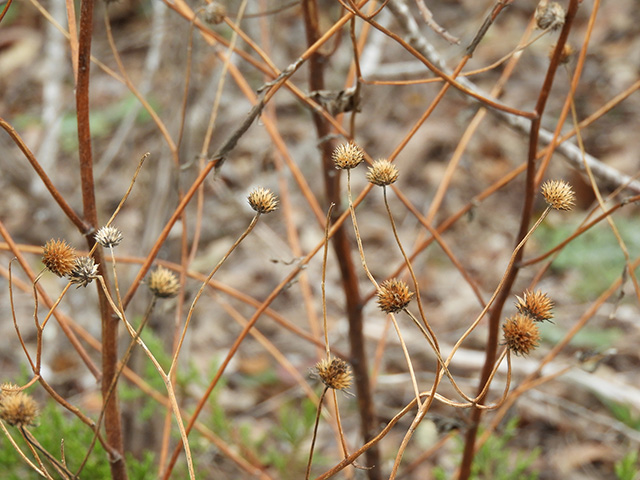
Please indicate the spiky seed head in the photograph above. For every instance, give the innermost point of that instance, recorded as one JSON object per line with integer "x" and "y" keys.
{"x": 382, "y": 173}
{"x": 393, "y": 295}
{"x": 214, "y": 13}
{"x": 108, "y": 237}
{"x": 521, "y": 334}
{"x": 334, "y": 373}
{"x": 18, "y": 408}
{"x": 536, "y": 305}
{"x": 347, "y": 156}
{"x": 58, "y": 257}
{"x": 262, "y": 200}
{"x": 549, "y": 15}
{"x": 84, "y": 271}
{"x": 163, "y": 283}
{"x": 558, "y": 194}
{"x": 8, "y": 388}
{"x": 565, "y": 56}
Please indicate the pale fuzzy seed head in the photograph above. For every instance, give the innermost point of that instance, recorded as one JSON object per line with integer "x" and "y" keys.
{"x": 58, "y": 257}
{"x": 214, "y": 13}
{"x": 109, "y": 237}
{"x": 347, "y": 156}
{"x": 163, "y": 283}
{"x": 536, "y": 305}
{"x": 521, "y": 334}
{"x": 549, "y": 15}
{"x": 262, "y": 200}
{"x": 393, "y": 296}
{"x": 334, "y": 373}
{"x": 558, "y": 194}
{"x": 84, "y": 271}
{"x": 382, "y": 173}
{"x": 8, "y": 388}
{"x": 18, "y": 409}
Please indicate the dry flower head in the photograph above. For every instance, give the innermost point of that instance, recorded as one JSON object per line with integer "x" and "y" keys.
{"x": 262, "y": 200}
{"x": 214, "y": 13}
{"x": 58, "y": 257}
{"x": 382, "y": 173}
{"x": 393, "y": 295}
{"x": 334, "y": 373}
{"x": 84, "y": 271}
{"x": 549, "y": 15}
{"x": 163, "y": 283}
{"x": 536, "y": 305}
{"x": 108, "y": 237}
{"x": 558, "y": 194}
{"x": 18, "y": 408}
{"x": 347, "y": 156}
{"x": 521, "y": 334}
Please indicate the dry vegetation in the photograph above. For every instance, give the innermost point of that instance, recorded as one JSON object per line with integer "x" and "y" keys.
{"x": 254, "y": 290}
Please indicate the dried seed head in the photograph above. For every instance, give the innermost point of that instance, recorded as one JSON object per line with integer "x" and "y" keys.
{"x": 163, "y": 283}
{"x": 536, "y": 305}
{"x": 8, "y": 388}
{"x": 262, "y": 200}
{"x": 58, "y": 257}
{"x": 214, "y": 13}
{"x": 521, "y": 334}
{"x": 18, "y": 409}
{"x": 347, "y": 156}
{"x": 549, "y": 15}
{"x": 382, "y": 173}
{"x": 334, "y": 373}
{"x": 393, "y": 296}
{"x": 565, "y": 56}
{"x": 558, "y": 194}
{"x": 109, "y": 237}
{"x": 84, "y": 271}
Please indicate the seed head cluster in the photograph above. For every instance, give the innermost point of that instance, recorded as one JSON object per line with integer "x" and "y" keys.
{"x": 214, "y": 13}
{"x": 558, "y": 194}
{"x": 382, "y": 173}
{"x": 536, "y": 305}
{"x": 521, "y": 334}
{"x": 347, "y": 156}
{"x": 334, "y": 373}
{"x": 550, "y": 15}
{"x": 393, "y": 295}
{"x": 58, "y": 257}
{"x": 163, "y": 283}
{"x": 17, "y": 408}
{"x": 262, "y": 200}
{"x": 109, "y": 237}
{"x": 84, "y": 271}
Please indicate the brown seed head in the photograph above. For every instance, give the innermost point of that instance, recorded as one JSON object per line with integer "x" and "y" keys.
{"x": 382, "y": 173}
{"x": 536, "y": 305}
{"x": 393, "y": 296}
{"x": 214, "y": 13}
{"x": 84, "y": 271}
{"x": 18, "y": 409}
{"x": 558, "y": 194}
{"x": 521, "y": 334}
{"x": 334, "y": 373}
{"x": 109, "y": 237}
{"x": 262, "y": 200}
{"x": 163, "y": 283}
{"x": 58, "y": 257}
{"x": 549, "y": 15}
{"x": 565, "y": 56}
{"x": 347, "y": 156}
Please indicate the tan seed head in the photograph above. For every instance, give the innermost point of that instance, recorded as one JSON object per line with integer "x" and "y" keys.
{"x": 521, "y": 334}
{"x": 347, "y": 156}
{"x": 334, "y": 373}
{"x": 393, "y": 296}
{"x": 108, "y": 237}
{"x": 536, "y": 305}
{"x": 262, "y": 200}
{"x": 58, "y": 257}
{"x": 163, "y": 283}
{"x": 382, "y": 173}
{"x": 558, "y": 194}
{"x": 18, "y": 409}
